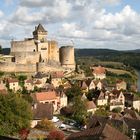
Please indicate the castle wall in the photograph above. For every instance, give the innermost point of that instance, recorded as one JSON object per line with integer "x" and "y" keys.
{"x": 53, "y": 51}
{"x": 23, "y": 46}
{"x": 29, "y": 68}
{"x": 67, "y": 58}
{"x": 13, "y": 67}
{"x": 43, "y": 67}
{"x": 7, "y": 66}
{"x": 26, "y": 57}
{"x": 43, "y": 49}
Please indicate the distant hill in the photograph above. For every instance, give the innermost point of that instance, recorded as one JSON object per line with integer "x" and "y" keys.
{"x": 130, "y": 57}
{"x": 95, "y": 52}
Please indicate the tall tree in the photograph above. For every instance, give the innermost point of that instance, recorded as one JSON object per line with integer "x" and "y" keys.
{"x": 15, "y": 114}
{"x": 79, "y": 110}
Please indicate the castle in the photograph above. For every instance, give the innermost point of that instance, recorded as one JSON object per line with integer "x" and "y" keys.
{"x": 38, "y": 54}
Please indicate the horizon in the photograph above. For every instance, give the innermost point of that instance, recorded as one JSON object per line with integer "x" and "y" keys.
{"x": 110, "y": 24}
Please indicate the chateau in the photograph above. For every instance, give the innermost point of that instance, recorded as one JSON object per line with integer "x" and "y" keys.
{"x": 38, "y": 54}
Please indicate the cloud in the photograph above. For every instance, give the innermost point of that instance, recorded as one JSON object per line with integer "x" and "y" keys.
{"x": 1, "y": 14}
{"x": 87, "y": 22}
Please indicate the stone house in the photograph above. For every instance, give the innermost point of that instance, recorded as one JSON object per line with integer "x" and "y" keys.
{"x": 56, "y": 78}
{"x": 121, "y": 85}
{"x": 41, "y": 111}
{"x": 3, "y": 89}
{"x": 132, "y": 100}
{"x": 98, "y": 131}
{"x": 58, "y": 100}
{"x": 13, "y": 84}
{"x": 95, "y": 84}
{"x": 46, "y": 97}
{"x": 62, "y": 99}
{"x": 102, "y": 99}
{"x": 99, "y": 72}
{"x": 38, "y": 84}
{"x": 83, "y": 86}
{"x": 28, "y": 84}
{"x": 116, "y": 100}
{"x": 41, "y": 77}
{"x": 91, "y": 107}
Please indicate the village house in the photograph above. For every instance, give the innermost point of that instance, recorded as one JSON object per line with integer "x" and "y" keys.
{"x": 121, "y": 85}
{"x": 13, "y": 84}
{"x": 83, "y": 86}
{"x": 95, "y": 84}
{"x": 132, "y": 100}
{"x": 28, "y": 84}
{"x": 3, "y": 88}
{"x": 41, "y": 111}
{"x": 58, "y": 100}
{"x": 116, "y": 100}
{"x": 38, "y": 84}
{"x": 98, "y": 131}
{"x": 102, "y": 99}
{"x": 56, "y": 78}
{"x": 42, "y": 77}
{"x": 91, "y": 107}
{"x": 99, "y": 72}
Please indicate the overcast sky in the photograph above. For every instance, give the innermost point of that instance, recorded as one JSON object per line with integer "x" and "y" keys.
{"x": 113, "y": 24}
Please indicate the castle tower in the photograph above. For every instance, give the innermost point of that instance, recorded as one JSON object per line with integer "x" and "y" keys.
{"x": 40, "y": 33}
{"x": 67, "y": 58}
{"x": 40, "y": 37}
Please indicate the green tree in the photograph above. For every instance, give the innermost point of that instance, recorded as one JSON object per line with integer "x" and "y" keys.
{"x": 15, "y": 114}
{"x": 21, "y": 79}
{"x": 101, "y": 112}
{"x": 79, "y": 110}
{"x": 73, "y": 91}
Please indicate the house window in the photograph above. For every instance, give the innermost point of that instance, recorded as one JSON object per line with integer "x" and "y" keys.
{"x": 53, "y": 102}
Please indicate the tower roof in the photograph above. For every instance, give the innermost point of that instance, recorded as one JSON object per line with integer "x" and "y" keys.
{"x": 39, "y": 28}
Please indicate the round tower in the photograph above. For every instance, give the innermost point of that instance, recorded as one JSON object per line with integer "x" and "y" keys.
{"x": 67, "y": 58}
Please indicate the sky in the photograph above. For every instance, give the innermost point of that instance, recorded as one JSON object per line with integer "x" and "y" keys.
{"x": 112, "y": 24}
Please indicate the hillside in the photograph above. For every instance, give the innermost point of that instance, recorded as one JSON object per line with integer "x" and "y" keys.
{"x": 131, "y": 58}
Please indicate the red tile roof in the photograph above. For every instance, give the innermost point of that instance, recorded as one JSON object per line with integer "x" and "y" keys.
{"x": 99, "y": 70}
{"x": 42, "y": 96}
{"x": 12, "y": 80}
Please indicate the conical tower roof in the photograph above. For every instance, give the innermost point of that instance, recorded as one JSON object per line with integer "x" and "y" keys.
{"x": 39, "y": 28}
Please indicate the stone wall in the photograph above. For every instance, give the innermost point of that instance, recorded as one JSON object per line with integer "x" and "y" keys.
{"x": 43, "y": 67}
{"x": 13, "y": 67}
{"x": 23, "y": 46}
{"x": 26, "y": 57}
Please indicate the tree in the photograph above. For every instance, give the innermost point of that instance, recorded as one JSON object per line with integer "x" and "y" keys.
{"x": 0, "y": 49}
{"x": 73, "y": 91}
{"x": 21, "y": 79}
{"x": 45, "y": 124}
{"x": 79, "y": 110}
{"x": 15, "y": 114}
{"x": 56, "y": 135}
{"x": 101, "y": 112}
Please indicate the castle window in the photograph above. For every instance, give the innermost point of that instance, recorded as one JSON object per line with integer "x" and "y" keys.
{"x": 43, "y": 48}
{"x": 34, "y": 50}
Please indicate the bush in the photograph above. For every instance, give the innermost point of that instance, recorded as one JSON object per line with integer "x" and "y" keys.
{"x": 56, "y": 135}
{"x": 45, "y": 124}
{"x": 117, "y": 110}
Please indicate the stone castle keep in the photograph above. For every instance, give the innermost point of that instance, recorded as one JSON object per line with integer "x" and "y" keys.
{"x": 38, "y": 54}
